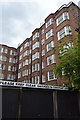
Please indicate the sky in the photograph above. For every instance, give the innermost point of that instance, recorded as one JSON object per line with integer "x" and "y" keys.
{"x": 19, "y": 18}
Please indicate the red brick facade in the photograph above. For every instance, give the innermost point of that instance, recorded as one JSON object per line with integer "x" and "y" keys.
{"x": 36, "y": 57}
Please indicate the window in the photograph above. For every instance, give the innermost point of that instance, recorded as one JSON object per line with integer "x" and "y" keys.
{"x": 36, "y": 45}
{"x": 25, "y": 62}
{"x": 61, "y": 18}
{"x": 35, "y": 67}
{"x": 68, "y": 45}
{"x": 51, "y": 59}
{"x": 65, "y": 15}
{"x": 43, "y": 79}
{"x": 1, "y": 76}
{"x": 25, "y": 73}
{"x": 42, "y": 32}
{"x": 49, "y": 22}
{"x": 26, "y": 81}
{"x": 2, "y": 67}
{"x": 21, "y": 48}
{"x": 16, "y": 60}
{"x": 3, "y": 58}
{"x": 42, "y": 41}
{"x": 11, "y": 68}
{"x": 49, "y": 34}
{"x": 65, "y": 47}
{"x": 43, "y": 65}
{"x": 36, "y": 35}
{"x": 12, "y": 52}
{"x": 10, "y": 77}
{"x": 35, "y": 80}
{"x": 15, "y": 68}
{"x": 20, "y": 65}
{"x": 35, "y": 56}
{"x": 19, "y": 75}
{"x": 50, "y": 46}
{"x": 63, "y": 72}
{"x": 64, "y": 31}
{"x": 26, "y": 44}
{"x": 20, "y": 57}
{"x": 12, "y": 60}
{"x": 4, "y": 50}
{"x": 51, "y": 75}
{"x": 61, "y": 33}
{"x": 30, "y": 51}
{"x": 68, "y": 30}
{"x": 26, "y": 53}
{"x": 30, "y": 43}
{"x": 43, "y": 52}
{"x": 29, "y": 71}
{"x": 29, "y": 61}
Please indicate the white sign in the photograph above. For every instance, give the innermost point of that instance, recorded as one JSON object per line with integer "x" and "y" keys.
{"x": 29, "y": 85}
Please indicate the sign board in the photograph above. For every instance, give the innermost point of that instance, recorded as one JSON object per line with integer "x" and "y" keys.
{"x": 30, "y": 85}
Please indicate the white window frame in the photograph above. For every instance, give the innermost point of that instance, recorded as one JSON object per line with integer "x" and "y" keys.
{"x": 51, "y": 59}
{"x": 3, "y": 58}
{"x": 11, "y": 68}
{"x": 43, "y": 78}
{"x": 50, "y": 21}
{"x": 10, "y": 77}
{"x": 1, "y": 76}
{"x": 19, "y": 75}
{"x": 29, "y": 71}
{"x": 43, "y": 65}
{"x": 50, "y": 46}
{"x": 26, "y": 62}
{"x": 20, "y": 57}
{"x": 20, "y": 65}
{"x": 42, "y": 42}
{"x": 4, "y": 50}
{"x": 51, "y": 75}
{"x": 12, "y": 60}
{"x": 36, "y": 45}
{"x": 25, "y": 73}
{"x": 49, "y": 34}
{"x": 35, "y": 80}
{"x": 64, "y": 31}
{"x": 26, "y": 53}
{"x": 2, "y": 67}
{"x": 29, "y": 61}
{"x": 35, "y": 67}
{"x": 35, "y": 56}
{"x": 62, "y": 17}
{"x": 36, "y": 35}
{"x": 30, "y": 51}
{"x": 65, "y": 47}
{"x": 12, "y": 52}
{"x": 26, "y": 44}
{"x": 42, "y": 32}
{"x": 43, "y": 52}
{"x": 21, "y": 48}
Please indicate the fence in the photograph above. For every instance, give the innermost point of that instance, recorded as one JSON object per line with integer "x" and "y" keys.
{"x": 25, "y": 102}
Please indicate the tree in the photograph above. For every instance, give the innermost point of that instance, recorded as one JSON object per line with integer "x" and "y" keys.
{"x": 69, "y": 66}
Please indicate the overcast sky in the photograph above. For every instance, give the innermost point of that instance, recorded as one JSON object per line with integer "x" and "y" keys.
{"x": 18, "y": 18}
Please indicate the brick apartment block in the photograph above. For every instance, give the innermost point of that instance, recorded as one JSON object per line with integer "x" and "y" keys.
{"x": 33, "y": 61}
